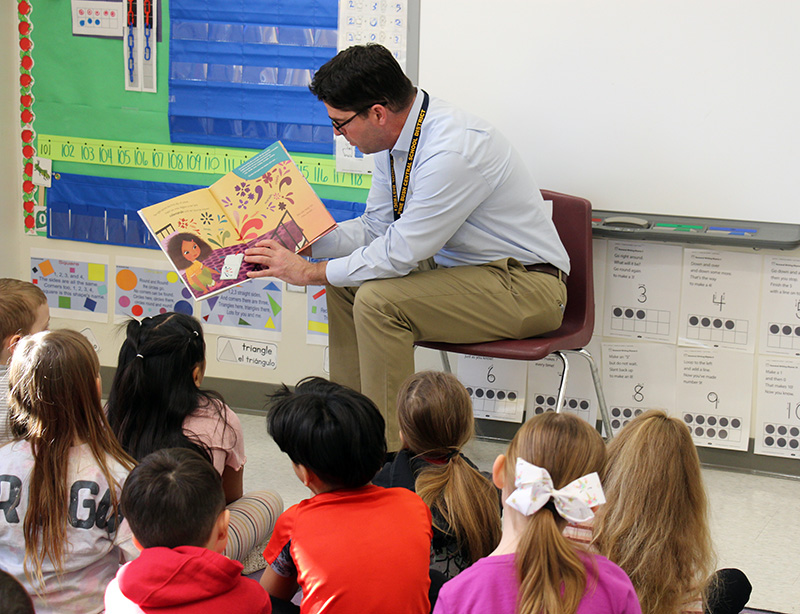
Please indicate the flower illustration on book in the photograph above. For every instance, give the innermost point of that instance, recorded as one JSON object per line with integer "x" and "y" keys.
{"x": 206, "y": 218}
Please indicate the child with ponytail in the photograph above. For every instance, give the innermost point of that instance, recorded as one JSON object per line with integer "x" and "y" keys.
{"x": 434, "y": 411}
{"x": 548, "y": 478}
{"x": 61, "y": 476}
{"x": 156, "y": 402}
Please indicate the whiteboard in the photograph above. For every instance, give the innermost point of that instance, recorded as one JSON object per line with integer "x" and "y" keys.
{"x": 681, "y": 107}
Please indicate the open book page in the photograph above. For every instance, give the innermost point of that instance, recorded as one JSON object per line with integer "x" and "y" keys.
{"x": 204, "y": 233}
{"x": 268, "y": 196}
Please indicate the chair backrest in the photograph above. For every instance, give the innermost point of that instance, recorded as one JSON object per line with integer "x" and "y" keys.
{"x": 572, "y": 217}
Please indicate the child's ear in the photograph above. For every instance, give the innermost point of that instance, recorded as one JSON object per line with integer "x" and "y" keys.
{"x": 198, "y": 372}
{"x": 219, "y": 535}
{"x": 7, "y": 349}
{"x": 136, "y": 543}
{"x": 499, "y": 471}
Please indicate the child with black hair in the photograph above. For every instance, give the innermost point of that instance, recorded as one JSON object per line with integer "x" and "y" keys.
{"x": 352, "y": 547}
{"x": 156, "y": 401}
{"x": 14, "y": 599}
{"x": 175, "y": 505}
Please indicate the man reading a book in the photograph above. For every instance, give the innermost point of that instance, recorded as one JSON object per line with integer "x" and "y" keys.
{"x": 455, "y": 244}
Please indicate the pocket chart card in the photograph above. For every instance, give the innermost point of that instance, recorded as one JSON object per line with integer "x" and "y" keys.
{"x": 144, "y": 288}
{"x": 715, "y": 396}
{"x": 76, "y": 285}
{"x": 643, "y": 282}
{"x": 719, "y": 299}
{"x": 637, "y": 377}
{"x": 778, "y": 407}
{"x": 496, "y": 386}
{"x": 779, "y": 325}
{"x": 544, "y": 378}
{"x": 254, "y": 309}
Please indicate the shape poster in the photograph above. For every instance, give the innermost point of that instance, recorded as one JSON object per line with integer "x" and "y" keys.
{"x": 144, "y": 288}
{"x": 599, "y": 251}
{"x": 779, "y": 326}
{"x": 643, "y": 283}
{"x": 255, "y": 307}
{"x": 778, "y": 407}
{"x": 719, "y": 302}
{"x": 317, "y": 316}
{"x": 714, "y": 398}
{"x": 496, "y": 386}
{"x": 637, "y": 377}
{"x": 76, "y": 285}
{"x": 544, "y": 378}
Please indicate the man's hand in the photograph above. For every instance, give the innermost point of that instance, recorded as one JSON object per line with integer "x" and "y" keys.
{"x": 277, "y": 261}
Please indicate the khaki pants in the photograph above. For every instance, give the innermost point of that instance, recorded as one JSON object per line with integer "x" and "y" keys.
{"x": 373, "y": 327}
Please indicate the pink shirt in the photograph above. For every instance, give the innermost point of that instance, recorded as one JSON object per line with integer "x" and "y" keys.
{"x": 226, "y": 441}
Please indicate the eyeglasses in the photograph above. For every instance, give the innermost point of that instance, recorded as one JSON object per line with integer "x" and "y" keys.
{"x": 340, "y": 125}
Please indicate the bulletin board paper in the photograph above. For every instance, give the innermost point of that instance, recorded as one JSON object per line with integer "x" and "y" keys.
{"x": 599, "y": 256}
{"x": 719, "y": 301}
{"x": 254, "y": 309}
{"x": 779, "y": 325}
{"x": 316, "y": 316}
{"x": 714, "y": 396}
{"x": 76, "y": 284}
{"x": 777, "y": 430}
{"x": 496, "y": 386}
{"x": 145, "y": 288}
{"x": 643, "y": 282}
{"x": 637, "y": 377}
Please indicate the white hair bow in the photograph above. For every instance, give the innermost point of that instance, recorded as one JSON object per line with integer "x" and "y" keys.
{"x": 534, "y": 488}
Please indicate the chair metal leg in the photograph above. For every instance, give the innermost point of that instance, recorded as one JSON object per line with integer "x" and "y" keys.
{"x": 598, "y": 389}
{"x": 562, "y": 387}
{"x": 445, "y": 361}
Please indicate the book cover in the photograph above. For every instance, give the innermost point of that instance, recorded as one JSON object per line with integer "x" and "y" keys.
{"x": 204, "y": 233}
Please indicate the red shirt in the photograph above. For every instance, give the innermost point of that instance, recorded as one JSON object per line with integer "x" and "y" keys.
{"x": 358, "y": 550}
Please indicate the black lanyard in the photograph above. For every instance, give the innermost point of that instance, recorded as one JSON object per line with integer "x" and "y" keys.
{"x": 399, "y": 204}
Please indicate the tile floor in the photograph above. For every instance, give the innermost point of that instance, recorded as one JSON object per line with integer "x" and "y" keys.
{"x": 753, "y": 518}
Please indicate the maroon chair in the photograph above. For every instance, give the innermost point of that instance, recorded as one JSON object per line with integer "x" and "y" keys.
{"x": 572, "y": 217}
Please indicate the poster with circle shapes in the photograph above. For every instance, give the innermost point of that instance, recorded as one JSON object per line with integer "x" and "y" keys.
{"x": 144, "y": 290}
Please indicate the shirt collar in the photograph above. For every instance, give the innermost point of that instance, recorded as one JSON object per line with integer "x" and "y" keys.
{"x": 403, "y": 142}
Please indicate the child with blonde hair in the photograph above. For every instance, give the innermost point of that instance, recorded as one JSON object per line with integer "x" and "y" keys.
{"x": 655, "y": 521}
{"x": 434, "y": 411}
{"x": 548, "y": 477}
{"x": 23, "y": 311}
{"x": 62, "y": 534}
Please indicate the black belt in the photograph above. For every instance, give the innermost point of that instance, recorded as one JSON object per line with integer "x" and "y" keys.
{"x": 543, "y": 267}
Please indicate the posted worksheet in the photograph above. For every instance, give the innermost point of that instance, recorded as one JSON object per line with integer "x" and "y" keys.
{"x": 496, "y": 386}
{"x": 777, "y": 429}
{"x": 779, "y": 325}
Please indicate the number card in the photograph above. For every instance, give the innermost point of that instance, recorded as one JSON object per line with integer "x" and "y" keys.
{"x": 778, "y": 407}
{"x": 643, "y": 282}
{"x": 779, "y": 325}
{"x": 637, "y": 377}
{"x": 496, "y": 387}
{"x": 256, "y": 306}
{"x": 544, "y": 378}
{"x": 144, "y": 288}
{"x": 719, "y": 302}
{"x": 317, "y": 316}
{"x": 76, "y": 285}
{"x": 714, "y": 398}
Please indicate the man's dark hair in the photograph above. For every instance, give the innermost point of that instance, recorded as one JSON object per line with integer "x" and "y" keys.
{"x": 173, "y": 498}
{"x": 360, "y": 76}
{"x": 332, "y": 430}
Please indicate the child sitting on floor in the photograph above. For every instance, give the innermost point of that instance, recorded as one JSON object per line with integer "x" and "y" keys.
{"x": 435, "y": 415}
{"x": 352, "y": 547}
{"x": 175, "y": 505}
{"x": 548, "y": 477}
{"x": 23, "y": 311}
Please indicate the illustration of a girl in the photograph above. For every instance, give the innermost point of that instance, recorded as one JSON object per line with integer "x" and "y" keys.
{"x": 188, "y": 251}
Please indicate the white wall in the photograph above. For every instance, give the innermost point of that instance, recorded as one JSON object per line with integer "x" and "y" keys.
{"x": 684, "y": 107}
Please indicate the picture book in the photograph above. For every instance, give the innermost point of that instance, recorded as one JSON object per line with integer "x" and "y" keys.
{"x": 204, "y": 233}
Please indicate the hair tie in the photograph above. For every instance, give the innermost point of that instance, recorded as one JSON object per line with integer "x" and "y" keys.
{"x": 196, "y": 334}
{"x": 140, "y": 356}
{"x": 534, "y": 488}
